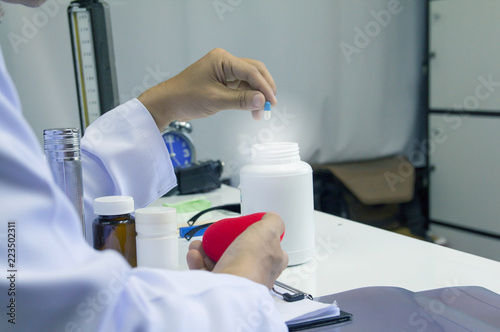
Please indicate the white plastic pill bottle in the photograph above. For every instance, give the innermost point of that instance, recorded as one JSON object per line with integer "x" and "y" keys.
{"x": 157, "y": 241}
{"x": 277, "y": 180}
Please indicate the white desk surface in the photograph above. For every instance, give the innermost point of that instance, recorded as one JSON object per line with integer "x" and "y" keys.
{"x": 351, "y": 255}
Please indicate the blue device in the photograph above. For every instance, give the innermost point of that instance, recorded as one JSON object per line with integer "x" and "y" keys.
{"x": 180, "y": 145}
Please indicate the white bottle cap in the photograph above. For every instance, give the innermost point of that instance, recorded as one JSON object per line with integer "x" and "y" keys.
{"x": 113, "y": 205}
{"x": 156, "y": 221}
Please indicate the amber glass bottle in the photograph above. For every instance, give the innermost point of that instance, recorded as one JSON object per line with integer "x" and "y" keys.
{"x": 114, "y": 227}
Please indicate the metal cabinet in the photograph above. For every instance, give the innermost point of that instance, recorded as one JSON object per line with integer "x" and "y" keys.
{"x": 464, "y": 124}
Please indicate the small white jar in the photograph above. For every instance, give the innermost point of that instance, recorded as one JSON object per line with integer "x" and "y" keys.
{"x": 157, "y": 241}
{"x": 278, "y": 181}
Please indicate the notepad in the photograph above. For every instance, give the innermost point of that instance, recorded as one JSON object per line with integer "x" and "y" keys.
{"x": 306, "y": 313}
{"x": 305, "y": 310}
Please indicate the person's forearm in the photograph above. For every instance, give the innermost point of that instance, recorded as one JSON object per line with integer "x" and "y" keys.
{"x": 159, "y": 101}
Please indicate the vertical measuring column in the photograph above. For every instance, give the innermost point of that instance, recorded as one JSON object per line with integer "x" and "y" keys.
{"x": 93, "y": 59}
{"x": 86, "y": 73}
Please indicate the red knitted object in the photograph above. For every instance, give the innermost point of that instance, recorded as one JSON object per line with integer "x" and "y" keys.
{"x": 221, "y": 234}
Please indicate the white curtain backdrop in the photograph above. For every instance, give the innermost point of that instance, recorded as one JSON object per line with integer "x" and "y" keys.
{"x": 348, "y": 71}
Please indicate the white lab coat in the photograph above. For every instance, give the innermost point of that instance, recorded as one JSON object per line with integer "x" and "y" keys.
{"x": 61, "y": 283}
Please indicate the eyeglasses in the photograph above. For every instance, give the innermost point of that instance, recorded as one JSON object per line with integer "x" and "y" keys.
{"x": 193, "y": 231}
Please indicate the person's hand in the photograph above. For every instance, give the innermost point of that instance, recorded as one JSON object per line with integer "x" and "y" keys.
{"x": 197, "y": 259}
{"x": 255, "y": 254}
{"x": 218, "y": 81}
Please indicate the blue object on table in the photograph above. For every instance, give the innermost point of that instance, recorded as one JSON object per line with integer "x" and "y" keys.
{"x": 184, "y": 230}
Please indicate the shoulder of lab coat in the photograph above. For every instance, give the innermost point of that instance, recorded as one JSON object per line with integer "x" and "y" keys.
{"x": 123, "y": 153}
{"x": 62, "y": 284}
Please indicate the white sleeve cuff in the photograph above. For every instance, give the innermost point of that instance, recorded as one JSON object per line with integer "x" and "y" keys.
{"x": 124, "y": 154}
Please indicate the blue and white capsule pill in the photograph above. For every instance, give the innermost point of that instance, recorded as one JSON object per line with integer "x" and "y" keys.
{"x": 267, "y": 110}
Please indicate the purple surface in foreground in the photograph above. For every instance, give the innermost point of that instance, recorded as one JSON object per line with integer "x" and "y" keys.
{"x": 387, "y": 309}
